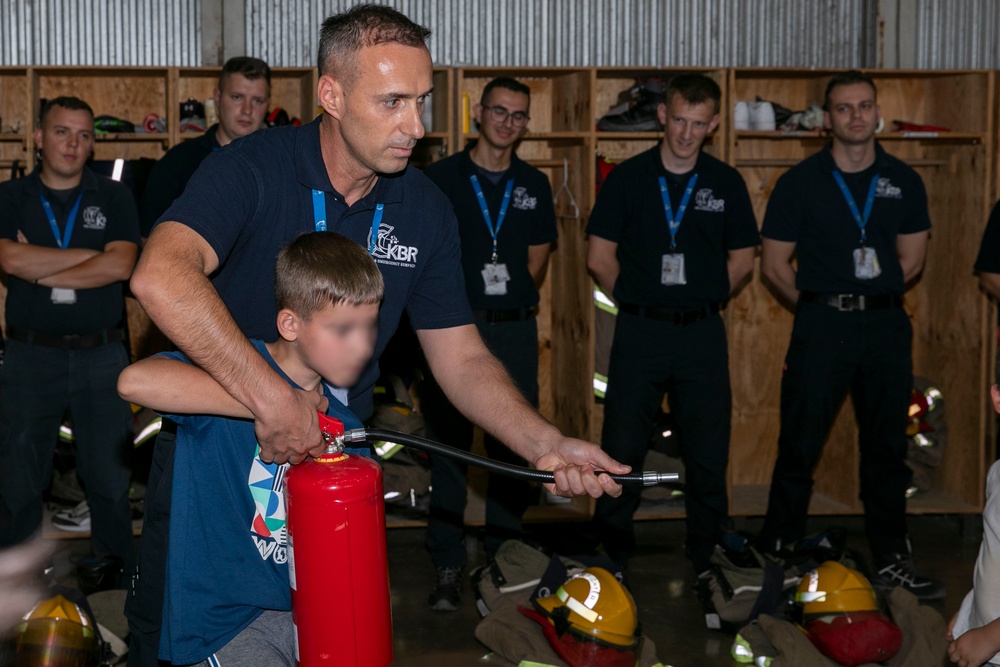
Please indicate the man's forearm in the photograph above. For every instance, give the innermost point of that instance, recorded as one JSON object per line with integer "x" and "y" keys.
{"x": 32, "y": 262}
{"x": 108, "y": 267}
{"x": 188, "y": 310}
{"x": 477, "y": 384}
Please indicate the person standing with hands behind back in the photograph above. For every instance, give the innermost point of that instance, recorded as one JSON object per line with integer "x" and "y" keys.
{"x": 856, "y": 219}
{"x": 672, "y": 234}
{"x": 506, "y": 222}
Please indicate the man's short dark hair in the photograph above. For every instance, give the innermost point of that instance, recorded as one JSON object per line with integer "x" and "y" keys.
{"x": 344, "y": 34}
{"x": 71, "y": 103}
{"x": 848, "y": 78}
{"x": 249, "y": 68}
{"x": 506, "y": 83}
{"x": 694, "y": 89}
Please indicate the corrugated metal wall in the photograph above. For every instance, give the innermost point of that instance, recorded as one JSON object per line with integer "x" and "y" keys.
{"x": 780, "y": 33}
{"x": 100, "y": 32}
{"x": 957, "y": 34}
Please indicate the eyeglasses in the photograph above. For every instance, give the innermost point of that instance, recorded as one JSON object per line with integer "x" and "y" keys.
{"x": 500, "y": 114}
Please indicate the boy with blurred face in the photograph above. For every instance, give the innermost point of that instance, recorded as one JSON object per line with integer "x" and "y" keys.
{"x": 328, "y": 291}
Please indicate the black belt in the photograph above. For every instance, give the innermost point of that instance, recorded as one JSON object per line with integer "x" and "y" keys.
{"x": 509, "y": 315}
{"x": 846, "y": 303}
{"x": 69, "y": 341}
{"x": 678, "y": 317}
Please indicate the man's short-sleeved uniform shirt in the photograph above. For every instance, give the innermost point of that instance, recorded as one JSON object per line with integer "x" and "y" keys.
{"x": 529, "y": 220}
{"x": 629, "y": 211}
{"x": 106, "y": 213}
{"x": 171, "y": 174}
{"x": 988, "y": 260}
{"x": 809, "y": 209}
{"x": 228, "y": 558}
{"x": 256, "y": 196}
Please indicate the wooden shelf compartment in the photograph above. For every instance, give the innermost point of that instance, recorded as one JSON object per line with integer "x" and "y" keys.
{"x": 924, "y": 97}
{"x": 560, "y": 97}
{"x": 129, "y": 93}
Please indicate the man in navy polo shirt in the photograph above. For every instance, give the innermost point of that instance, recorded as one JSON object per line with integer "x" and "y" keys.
{"x": 242, "y": 98}
{"x": 856, "y": 220}
{"x": 671, "y": 235}
{"x": 507, "y": 226}
{"x": 68, "y": 241}
{"x": 205, "y": 276}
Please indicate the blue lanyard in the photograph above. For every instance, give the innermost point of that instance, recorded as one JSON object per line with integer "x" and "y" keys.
{"x": 319, "y": 218}
{"x": 675, "y": 223}
{"x": 62, "y": 242}
{"x": 858, "y": 218}
{"x": 494, "y": 231}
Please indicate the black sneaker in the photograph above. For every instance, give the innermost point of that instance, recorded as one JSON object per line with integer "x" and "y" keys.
{"x": 447, "y": 593}
{"x": 898, "y": 570}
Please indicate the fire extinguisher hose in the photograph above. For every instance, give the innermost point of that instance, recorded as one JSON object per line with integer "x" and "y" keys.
{"x": 647, "y": 478}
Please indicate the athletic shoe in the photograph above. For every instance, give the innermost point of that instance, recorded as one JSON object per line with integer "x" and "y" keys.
{"x": 447, "y": 593}
{"x": 74, "y": 520}
{"x": 898, "y": 570}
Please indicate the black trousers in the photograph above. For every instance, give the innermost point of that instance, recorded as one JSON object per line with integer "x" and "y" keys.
{"x": 689, "y": 363}
{"x": 144, "y": 602}
{"x": 39, "y": 384}
{"x": 515, "y": 344}
{"x": 867, "y": 353}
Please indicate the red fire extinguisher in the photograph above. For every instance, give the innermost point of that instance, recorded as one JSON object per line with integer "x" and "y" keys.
{"x": 337, "y": 561}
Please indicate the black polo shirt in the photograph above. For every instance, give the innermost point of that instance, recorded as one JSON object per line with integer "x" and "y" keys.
{"x": 808, "y": 208}
{"x": 107, "y": 213}
{"x": 530, "y": 220}
{"x": 171, "y": 173}
{"x": 719, "y": 218}
{"x": 988, "y": 260}
{"x": 254, "y": 197}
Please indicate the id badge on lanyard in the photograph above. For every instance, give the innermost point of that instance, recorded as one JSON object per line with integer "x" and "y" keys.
{"x": 866, "y": 265}
{"x": 61, "y": 295}
{"x": 672, "y": 268}
{"x": 495, "y": 274}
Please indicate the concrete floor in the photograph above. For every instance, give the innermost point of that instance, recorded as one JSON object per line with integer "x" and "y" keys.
{"x": 660, "y": 578}
{"x": 662, "y": 584}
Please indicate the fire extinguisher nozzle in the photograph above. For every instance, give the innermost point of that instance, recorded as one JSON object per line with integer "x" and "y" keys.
{"x": 355, "y": 435}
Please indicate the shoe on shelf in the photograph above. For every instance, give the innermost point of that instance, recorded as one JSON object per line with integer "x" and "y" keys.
{"x": 447, "y": 592}
{"x": 898, "y": 570}
{"x": 73, "y": 520}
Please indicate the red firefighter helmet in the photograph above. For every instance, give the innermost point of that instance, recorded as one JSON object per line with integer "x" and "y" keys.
{"x": 842, "y": 617}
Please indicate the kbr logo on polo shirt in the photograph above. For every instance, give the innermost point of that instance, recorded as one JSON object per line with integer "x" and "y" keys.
{"x": 885, "y": 188}
{"x": 388, "y": 250}
{"x": 93, "y": 218}
{"x": 704, "y": 201}
{"x": 522, "y": 201}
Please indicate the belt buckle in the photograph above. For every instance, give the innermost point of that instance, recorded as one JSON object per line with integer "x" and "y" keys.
{"x": 845, "y": 303}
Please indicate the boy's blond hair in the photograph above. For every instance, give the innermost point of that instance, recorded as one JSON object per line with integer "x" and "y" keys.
{"x": 322, "y": 268}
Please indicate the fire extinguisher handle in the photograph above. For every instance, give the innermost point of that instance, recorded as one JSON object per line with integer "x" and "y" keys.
{"x": 648, "y": 478}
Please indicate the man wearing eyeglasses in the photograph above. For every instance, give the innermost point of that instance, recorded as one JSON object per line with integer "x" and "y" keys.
{"x": 507, "y": 226}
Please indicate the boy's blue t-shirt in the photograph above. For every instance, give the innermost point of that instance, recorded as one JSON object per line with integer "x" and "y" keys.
{"x": 227, "y": 560}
